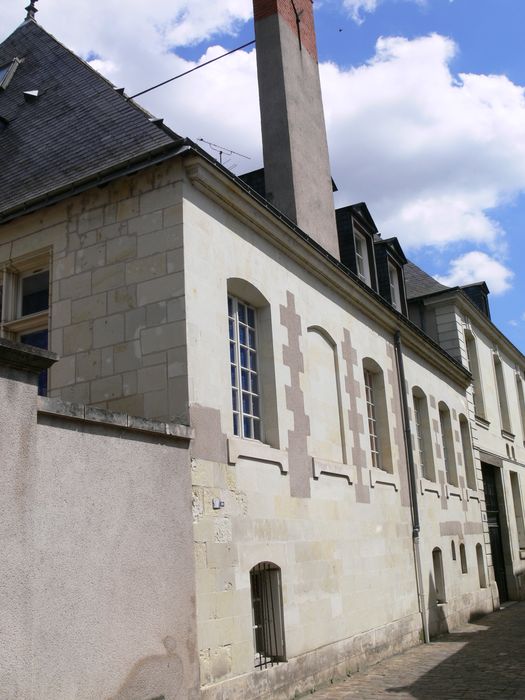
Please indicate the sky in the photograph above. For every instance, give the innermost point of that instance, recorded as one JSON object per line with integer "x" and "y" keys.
{"x": 424, "y": 103}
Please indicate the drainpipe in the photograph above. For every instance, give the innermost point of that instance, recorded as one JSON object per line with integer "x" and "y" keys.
{"x": 412, "y": 487}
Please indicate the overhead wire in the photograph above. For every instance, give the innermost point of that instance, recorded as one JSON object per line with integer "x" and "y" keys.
{"x": 181, "y": 75}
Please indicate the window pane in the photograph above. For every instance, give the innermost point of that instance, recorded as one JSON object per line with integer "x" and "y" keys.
{"x": 247, "y": 427}
{"x": 245, "y": 379}
{"x": 242, "y": 335}
{"x": 251, "y": 317}
{"x": 242, "y": 312}
{"x": 244, "y": 357}
{"x": 35, "y": 293}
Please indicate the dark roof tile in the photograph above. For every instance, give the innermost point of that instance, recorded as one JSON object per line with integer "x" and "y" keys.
{"x": 79, "y": 127}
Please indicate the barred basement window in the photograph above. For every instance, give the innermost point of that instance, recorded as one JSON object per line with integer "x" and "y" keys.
{"x": 439, "y": 576}
{"x": 463, "y": 558}
{"x": 267, "y": 612}
{"x": 244, "y": 369}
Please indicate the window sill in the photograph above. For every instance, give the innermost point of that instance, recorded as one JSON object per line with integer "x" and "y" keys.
{"x": 522, "y": 552}
{"x": 429, "y": 486}
{"x": 253, "y": 449}
{"x": 32, "y": 322}
{"x": 482, "y": 422}
{"x": 322, "y": 466}
{"x": 380, "y": 476}
{"x": 472, "y": 494}
{"x": 454, "y": 491}
{"x": 507, "y": 435}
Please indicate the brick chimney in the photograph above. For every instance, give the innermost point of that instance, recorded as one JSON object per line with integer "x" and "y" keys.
{"x": 296, "y": 165}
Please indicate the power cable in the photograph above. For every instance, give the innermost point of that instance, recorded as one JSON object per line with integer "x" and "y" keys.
{"x": 181, "y": 75}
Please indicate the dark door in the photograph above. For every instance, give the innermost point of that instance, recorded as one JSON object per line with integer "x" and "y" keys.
{"x": 494, "y": 523}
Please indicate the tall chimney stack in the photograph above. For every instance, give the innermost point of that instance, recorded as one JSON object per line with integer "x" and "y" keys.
{"x": 296, "y": 166}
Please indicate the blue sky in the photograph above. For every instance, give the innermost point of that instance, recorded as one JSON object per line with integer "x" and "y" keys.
{"x": 424, "y": 105}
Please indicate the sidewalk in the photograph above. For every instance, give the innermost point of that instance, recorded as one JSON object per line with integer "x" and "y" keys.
{"x": 484, "y": 660}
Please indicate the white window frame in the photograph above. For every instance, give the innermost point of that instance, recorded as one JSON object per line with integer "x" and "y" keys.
{"x": 244, "y": 370}
{"x": 393, "y": 278}
{"x": 14, "y": 325}
{"x": 361, "y": 257}
{"x": 371, "y": 412}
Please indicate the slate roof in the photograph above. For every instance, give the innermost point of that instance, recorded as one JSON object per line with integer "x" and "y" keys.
{"x": 418, "y": 283}
{"x": 78, "y": 127}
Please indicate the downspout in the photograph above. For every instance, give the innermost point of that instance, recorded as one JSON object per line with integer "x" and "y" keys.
{"x": 412, "y": 487}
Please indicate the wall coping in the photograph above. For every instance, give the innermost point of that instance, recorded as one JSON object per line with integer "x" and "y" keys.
{"x": 90, "y": 414}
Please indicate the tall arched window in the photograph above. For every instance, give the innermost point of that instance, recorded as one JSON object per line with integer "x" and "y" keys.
{"x": 267, "y": 614}
{"x": 423, "y": 435}
{"x": 447, "y": 444}
{"x": 472, "y": 355}
{"x": 439, "y": 576}
{"x": 481, "y": 567}
{"x": 377, "y": 416}
{"x": 252, "y": 370}
{"x": 322, "y": 396}
{"x": 468, "y": 457}
{"x": 463, "y": 558}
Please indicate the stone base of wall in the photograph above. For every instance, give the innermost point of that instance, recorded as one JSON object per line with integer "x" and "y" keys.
{"x": 460, "y": 610}
{"x": 306, "y": 673}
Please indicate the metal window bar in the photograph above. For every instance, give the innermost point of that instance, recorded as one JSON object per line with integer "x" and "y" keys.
{"x": 267, "y": 611}
{"x": 375, "y": 448}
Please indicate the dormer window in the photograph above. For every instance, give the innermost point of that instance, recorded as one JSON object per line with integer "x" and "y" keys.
{"x": 7, "y": 71}
{"x": 361, "y": 258}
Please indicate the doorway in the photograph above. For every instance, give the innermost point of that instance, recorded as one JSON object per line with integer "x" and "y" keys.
{"x": 490, "y": 486}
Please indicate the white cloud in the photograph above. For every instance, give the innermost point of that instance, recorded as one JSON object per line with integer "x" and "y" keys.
{"x": 477, "y": 266}
{"x": 357, "y": 8}
{"x": 431, "y": 154}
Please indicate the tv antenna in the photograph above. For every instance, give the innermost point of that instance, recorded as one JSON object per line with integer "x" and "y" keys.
{"x": 222, "y": 150}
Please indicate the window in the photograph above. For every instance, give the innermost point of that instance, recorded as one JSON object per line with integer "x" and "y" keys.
{"x": 243, "y": 368}
{"x": 466, "y": 446}
{"x": 518, "y": 508}
{"x": 267, "y": 615}
{"x": 393, "y": 278}
{"x": 473, "y": 364}
{"x": 361, "y": 258}
{"x": 373, "y": 432}
{"x": 423, "y": 438}
{"x": 24, "y": 299}
{"x": 463, "y": 558}
{"x": 447, "y": 443}
{"x": 439, "y": 578}
{"x": 481, "y": 567}
{"x": 521, "y": 403}
{"x": 7, "y": 71}
{"x": 377, "y": 416}
{"x": 453, "y": 550}
{"x": 502, "y": 394}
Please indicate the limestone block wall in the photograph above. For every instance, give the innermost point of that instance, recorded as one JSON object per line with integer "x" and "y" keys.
{"x": 97, "y": 572}
{"x": 310, "y": 502}
{"x": 117, "y": 316}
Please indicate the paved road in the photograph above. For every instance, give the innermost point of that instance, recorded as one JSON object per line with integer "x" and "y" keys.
{"x": 481, "y": 661}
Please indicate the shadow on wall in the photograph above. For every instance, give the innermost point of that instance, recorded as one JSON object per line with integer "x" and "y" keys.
{"x": 480, "y": 662}
{"x": 155, "y": 677}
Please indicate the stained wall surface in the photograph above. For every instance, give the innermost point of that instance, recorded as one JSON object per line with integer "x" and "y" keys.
{"x": 98, "y": 585}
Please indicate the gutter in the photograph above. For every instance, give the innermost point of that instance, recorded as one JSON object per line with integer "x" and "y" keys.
{"x": 412, "y": 487}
